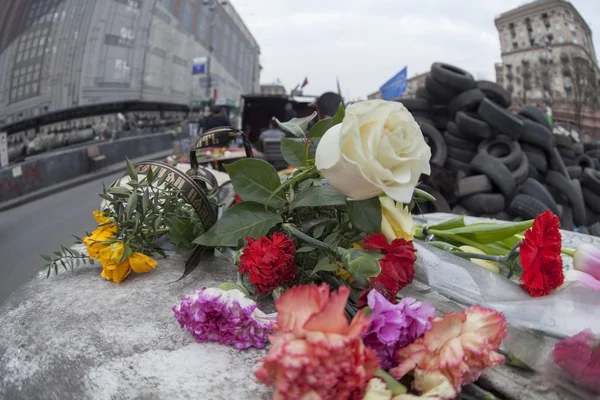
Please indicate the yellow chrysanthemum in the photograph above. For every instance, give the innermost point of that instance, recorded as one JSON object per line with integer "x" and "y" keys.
{"x": 94, "y": 241}
{"x": 100, "y": 218}
{"x": 116, "y": 271}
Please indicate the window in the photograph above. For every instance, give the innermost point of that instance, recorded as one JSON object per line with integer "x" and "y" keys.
{"x": 187, "y": 16}
{"x": 515, "y": 45}
{"x": 572, "y": 27}
{"x": 575, "y": 41}
{"x": 561, "y": 39}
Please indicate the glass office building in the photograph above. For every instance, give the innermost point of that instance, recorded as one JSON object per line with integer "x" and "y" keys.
{"x": 63, "y": 54}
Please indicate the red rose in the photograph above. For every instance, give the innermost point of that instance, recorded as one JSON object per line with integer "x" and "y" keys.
{"x": 397, "y": 267}
{"x": 269, "y": 263}
{"x": 540, "y": 256}
{"x": 236, "y": 199}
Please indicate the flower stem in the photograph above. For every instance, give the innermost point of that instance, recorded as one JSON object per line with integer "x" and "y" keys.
{"x": 486, "y": 257}
{"x": 392, "y": 384}
{"x": 569, "y": 252}
{"x": 308, "y": 239}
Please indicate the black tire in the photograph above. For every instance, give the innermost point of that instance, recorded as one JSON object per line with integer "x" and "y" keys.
{"x": 564, "y": 141}
{"x": 533, "y": 113}
{"x": 521, "y": 173}
{"x": 434, "y": 139}
{"x": 472, "y": 126}
{"x": 535, "y": 174}
{"x": 526, "y": 207}
{"x": 495, "y": 92}
{"x": 538, "y": 161}
{"x": 454, "y": 141}
{"x": 532, "y": 148}
{"x": 591, "y": 199}
{"x": 500, "y": 119}
{"x": 572, "y": 190}
{"x": 456, "y": 166}
{"x": 537, "y": 135}
{"x": 454, "y": 77}
{"x": 461, "y": 155}
{"x": 556, "y": 163}
{"x": 512, "y": 151}
{"x": 591, "y": 145}
{"x": 422, "y": 93}
{"x": 441, "y": 121}
{"x": 583, "y": 229}
{"x": 459, "y": 210}
{"x": 591, "y": 179}
{"x": 593, "y": 153}
{"x": 566, "y": 153}
{"x": 473, "y": 185}
{"x": 466, "y": 101}
{"x": 566, "y": 219}
{"x": 440, "y": 110}
{"x": 423, "y": 117}
{"x": 559, "y": 197}
{"x": 595, "y": 229}
{"x": 440, "y": 92}
{"x": 569, "y": 162}
{"x": 536, "y": 190}
{"x": 484, "y": 203}
{"x": 584, "y": 161}
{"x": 591, "y": 216}
{"x": 440, "y": 204}
{"x": 498, "y": 173}
{"x": 417, "y": 104}
{"x": 453, "y": 130}
{"x": 578, "y": 149}
{"x": 574, "y": 171}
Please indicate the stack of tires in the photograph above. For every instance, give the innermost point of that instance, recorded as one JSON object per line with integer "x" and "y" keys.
{"x": 506, "y": 166}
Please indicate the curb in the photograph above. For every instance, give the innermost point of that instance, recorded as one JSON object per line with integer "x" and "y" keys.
{"x": 71, "y": 183}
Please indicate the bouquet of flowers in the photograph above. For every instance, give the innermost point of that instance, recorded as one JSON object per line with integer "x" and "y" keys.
{"x": 333, "y": 244}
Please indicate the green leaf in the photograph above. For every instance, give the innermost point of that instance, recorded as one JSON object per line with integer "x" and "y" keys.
{"x": 244, "y": 219}
{"x": 145, "y": 200}
{"x": 255, "y": 180}
{"x": 325, "y": 264}
{"x": 305, "y": 249}
{"x": 442, "y": 245}
{"x": 456, "y": 222}
{"x": 150, "y": 176}
{"x": 118, "y": 190}
{"x": 296, "y": 126}
{"x": 105, "y": 196}
{"x": 318, "y": 231}
{"x": 127, "y": 251}
{"x": 422, "y": 196}
{"x": 489, "y": 232}
{"x": 131, "y": 171}
{"x": 232, "y": 285}
{"x": 323, "y": 125}
{"x": 131, "y": 204}
{"x": 489, "y": 249}
{"x": 365, "y": 215}
{"x": 319, "y": 196}
{"x": 294, "y": 152}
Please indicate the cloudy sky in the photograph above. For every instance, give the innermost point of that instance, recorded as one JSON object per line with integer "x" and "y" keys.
{"x": 365, "y": 42}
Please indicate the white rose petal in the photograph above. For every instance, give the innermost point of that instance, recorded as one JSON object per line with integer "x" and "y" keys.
{"x": 377, "y": 148}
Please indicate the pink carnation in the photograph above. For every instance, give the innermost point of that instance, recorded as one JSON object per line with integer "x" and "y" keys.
{"x": 315, "y": 351}
{"x": 459, "y": 346}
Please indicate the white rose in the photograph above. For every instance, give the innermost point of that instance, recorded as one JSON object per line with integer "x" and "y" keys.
{"x": 377, "y": 148}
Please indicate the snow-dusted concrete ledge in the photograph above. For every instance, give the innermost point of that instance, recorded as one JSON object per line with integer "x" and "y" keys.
{"x": 77, "y": 336}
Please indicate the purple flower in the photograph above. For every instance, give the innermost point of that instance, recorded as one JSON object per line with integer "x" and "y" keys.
{"x": 395, "y": 326}
{"x": 224, "y": 316}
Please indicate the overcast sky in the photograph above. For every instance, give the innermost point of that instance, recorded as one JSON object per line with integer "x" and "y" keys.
{"x": 366, "y": 42}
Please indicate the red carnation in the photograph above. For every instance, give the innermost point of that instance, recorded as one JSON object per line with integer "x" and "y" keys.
{"x": 540, "y": 256}
{"x": 269, "y": 263}
{"x": 397, "y": 267}
{"x": 236, "y": 199}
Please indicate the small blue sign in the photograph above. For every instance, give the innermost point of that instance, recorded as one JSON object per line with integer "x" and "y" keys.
{"x": 395, "y": 87}
{"x": 199, "y": 66}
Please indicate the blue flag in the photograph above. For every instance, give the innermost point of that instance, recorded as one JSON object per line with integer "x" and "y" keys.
{"x": 395, "y": 87}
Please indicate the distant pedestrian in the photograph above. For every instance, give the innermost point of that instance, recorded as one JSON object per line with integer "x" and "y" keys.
{"x": 272, "y": 133}
{"x": 218, "y": 118}
{"x": 289, "y": 112}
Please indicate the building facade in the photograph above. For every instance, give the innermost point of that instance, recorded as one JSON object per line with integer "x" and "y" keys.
{"x": 545, "y": 45}
{"x": 272, "y": 90}
{"x": 62, "y": 54}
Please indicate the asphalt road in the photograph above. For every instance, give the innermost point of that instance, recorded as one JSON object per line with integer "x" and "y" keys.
{"x": 41, "y": 227}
